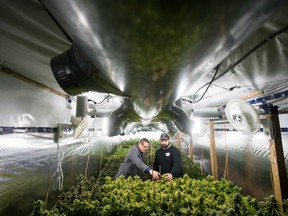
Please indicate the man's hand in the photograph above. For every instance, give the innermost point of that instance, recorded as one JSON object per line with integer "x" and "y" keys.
{"x": 168, "y": 176}
{"x": 155, "y": 175}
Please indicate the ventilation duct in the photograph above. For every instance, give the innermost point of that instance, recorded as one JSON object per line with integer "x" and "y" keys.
{"x": 81, "y": 106}
{"x": 76, "y": 75}
{"x": 206, "y": 113}
{"x": 170, "y": 126}
{"x": 181, "y": 119}
{"x": 119, "y": 119}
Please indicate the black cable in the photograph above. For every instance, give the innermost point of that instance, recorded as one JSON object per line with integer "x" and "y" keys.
{"x": 246, "y": 86}
{"x": 98, "y": 103}
{"x": 231, "y": 67}
{"x": 220, "y": 86}
{"x": 217, "y": 69}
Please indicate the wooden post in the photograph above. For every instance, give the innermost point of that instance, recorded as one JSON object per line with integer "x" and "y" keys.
{"x": 214, "y": 165}
{"x": 277, "y": 158}
{"x": 226, "y": 170}
{"x": 190, "y": 148}
{"x": 275, "y": 174}
{"x": 179, "y": 140}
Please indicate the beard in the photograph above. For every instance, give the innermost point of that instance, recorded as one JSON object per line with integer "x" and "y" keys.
{"x": 165, "y": 145}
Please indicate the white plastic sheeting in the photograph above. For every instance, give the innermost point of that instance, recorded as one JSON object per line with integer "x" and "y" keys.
{"x": 25, "y": 105}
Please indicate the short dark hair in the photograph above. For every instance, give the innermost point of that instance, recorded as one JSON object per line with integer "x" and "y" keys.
{"x": 144, "y": 140}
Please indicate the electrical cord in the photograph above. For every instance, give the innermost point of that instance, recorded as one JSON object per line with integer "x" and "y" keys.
{"x": 220, "y": 86}
{"x": 98, "y": 103}
{"x": 231, "y": 67}
{"x": 59, "y": 172}
{"x": 247, "y": 86}
{"x": 216, "y": 71}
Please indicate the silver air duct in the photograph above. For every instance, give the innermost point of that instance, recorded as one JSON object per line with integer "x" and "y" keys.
{"x": 81, "y": 106}
{"x": 139, "y": 50}
{"x": 119, "y": 119}
{"x": 206, "y": 113}
{"x": 181, "y": 119}
{"x": 170, "y": 126}
{"x": 76, "y": 75}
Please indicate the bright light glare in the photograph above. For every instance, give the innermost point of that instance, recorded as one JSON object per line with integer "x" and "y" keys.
{"x": 197, "y": 127}
{"x": 105, "y": 126}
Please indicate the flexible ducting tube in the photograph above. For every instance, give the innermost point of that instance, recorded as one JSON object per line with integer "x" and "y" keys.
{"x": 170, "y": 126}
{"x": 206, "y": 113}
{"x": 181, "y": 119}
{"x": 119, "y": 119}
{"x": 76, "y": 75}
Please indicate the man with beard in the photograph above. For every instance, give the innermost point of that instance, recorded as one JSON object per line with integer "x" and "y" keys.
{"x": 168, "y": 159}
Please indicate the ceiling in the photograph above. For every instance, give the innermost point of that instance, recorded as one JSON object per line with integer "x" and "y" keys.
{"x": 153, "y": 54}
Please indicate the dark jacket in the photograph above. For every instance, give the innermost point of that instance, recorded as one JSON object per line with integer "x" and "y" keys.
{"x": 133, "y": 164}
{"x": 168, "y": 161}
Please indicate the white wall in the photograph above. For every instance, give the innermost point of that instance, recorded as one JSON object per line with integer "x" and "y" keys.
{"x": 25, "y": 105}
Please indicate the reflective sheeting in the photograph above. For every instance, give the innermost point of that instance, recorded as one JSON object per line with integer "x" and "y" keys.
{"x": 249, "y": 162}
{"x": 26, "y": 160}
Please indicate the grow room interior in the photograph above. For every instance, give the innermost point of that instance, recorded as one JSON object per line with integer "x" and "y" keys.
{"x": 80, "y": 78}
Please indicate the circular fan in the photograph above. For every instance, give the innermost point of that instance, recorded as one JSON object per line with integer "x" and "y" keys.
{"x": 242, "y": 116}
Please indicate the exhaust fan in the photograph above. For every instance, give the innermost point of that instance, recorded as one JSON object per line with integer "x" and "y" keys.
{"x": 242, "y": 116}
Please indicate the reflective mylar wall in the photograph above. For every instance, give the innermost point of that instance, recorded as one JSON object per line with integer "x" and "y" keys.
{"x": 246, "y": 157}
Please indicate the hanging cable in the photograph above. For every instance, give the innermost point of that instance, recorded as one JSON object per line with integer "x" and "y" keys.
{"x": 99, "y": 103}
{"x": 216, "y": 71}
{"x": 220, "y": 86}
{"x": 48, "y": 188}
{"x": 87, "y": 163}
{"x": 232, "y": 66}
{"x": 226, "y": 147}
{"x": 59, "y": 172}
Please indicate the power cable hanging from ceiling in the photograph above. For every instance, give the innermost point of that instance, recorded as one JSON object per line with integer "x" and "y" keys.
{"x": 282, "y": 81}
{"x": 231, "y": 67}
{"x": 216, "y": 71}
{"x": 106, "y": 99}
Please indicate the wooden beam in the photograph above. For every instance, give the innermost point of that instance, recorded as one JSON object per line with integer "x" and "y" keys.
{"x": 179, "y": 140}
{"x": 252, "y": 94}
{"x": 190, "y": 148}
{"x": 277, "y": 157}
{"x": 213, "y": 155}
{"x": 30, "y": 81}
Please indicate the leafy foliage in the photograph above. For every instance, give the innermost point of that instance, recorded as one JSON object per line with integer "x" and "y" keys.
{"x": 270, "y": 207}
{"x": 193, "y": 194}
{"x": 113, "y": 162}
{"x": 133, "y": 196}
{"x": 191, "y": 168}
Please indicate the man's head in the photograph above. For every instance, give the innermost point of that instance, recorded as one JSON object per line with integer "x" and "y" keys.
{"x": 164, "y": 140}
{"x": 143, "y": 145}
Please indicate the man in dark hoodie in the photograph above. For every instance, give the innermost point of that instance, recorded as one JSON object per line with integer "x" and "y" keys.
{"x": 134, "y": 165}
{"x": 168, "y": 159}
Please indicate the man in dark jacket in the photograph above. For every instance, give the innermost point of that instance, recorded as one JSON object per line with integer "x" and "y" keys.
{"x": 168, "y": 159}
{"x": 133, "y": 164}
